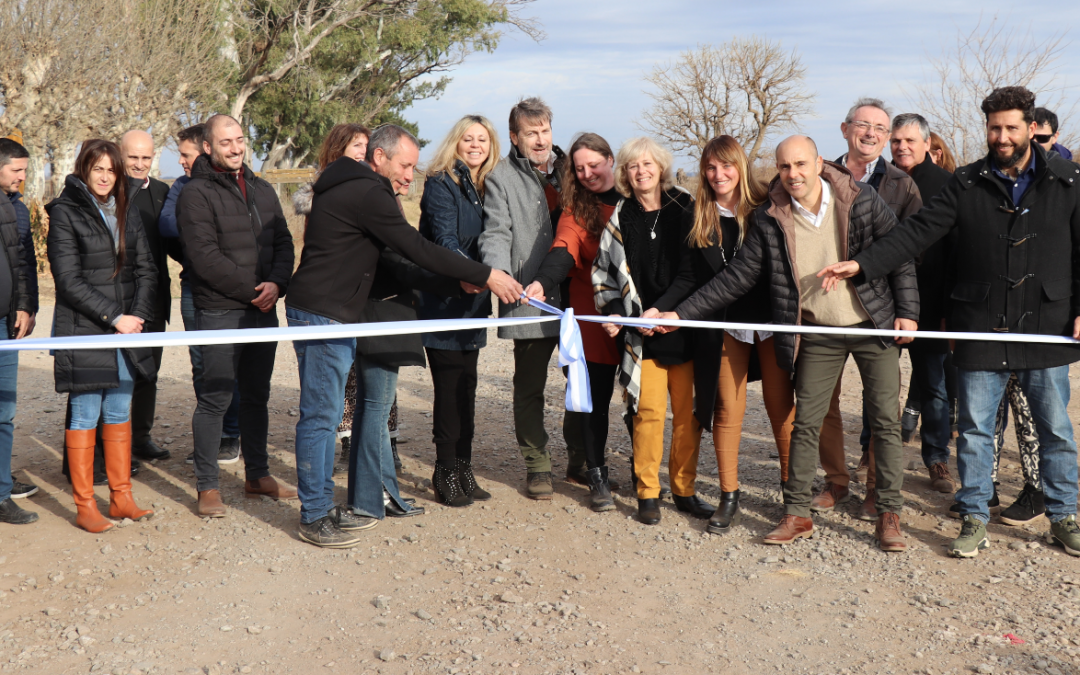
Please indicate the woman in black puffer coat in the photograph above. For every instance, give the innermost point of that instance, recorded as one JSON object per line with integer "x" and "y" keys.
{"x": 105, "y": 283}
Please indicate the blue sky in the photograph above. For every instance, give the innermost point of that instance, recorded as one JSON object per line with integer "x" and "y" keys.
{"x": 590, "y": 68}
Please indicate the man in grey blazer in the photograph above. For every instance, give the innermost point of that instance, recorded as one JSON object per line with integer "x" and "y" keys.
{"x": 520, "y": 195}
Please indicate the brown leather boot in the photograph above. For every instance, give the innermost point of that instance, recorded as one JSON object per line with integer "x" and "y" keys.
{"x": 210, "y": 504}
{"x": 269, "y": 486}
{"x": 828, "y": 498}
{"x": 80, "y": 450}
{"x": 868, "y": 509}
{"x": 888, "y": 533}
{"x": 117, "y": 440}
{"x": 790, "y": 529}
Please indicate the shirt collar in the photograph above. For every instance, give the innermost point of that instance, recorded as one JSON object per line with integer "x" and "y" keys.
{"x": 819, "y": 217}
{"x": 870, "y": 168}
{"x": 1028, "y": 172}
{"x": 724, "y": 213}
{"x": 146, "y": 182}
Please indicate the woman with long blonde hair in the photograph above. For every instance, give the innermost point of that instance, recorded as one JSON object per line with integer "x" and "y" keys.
{"x": 451, "y": 215}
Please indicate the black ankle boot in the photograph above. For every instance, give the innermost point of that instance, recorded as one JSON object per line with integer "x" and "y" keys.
{"x": 727, "y": 515}
{"x": 599, "y": 491}
{"x": 468, "y": 481}
{"x": 693, "y": 505}
{"x": 648, "y": 511}
{"x": 447, "y": 486}
{"x": 397, "y": 459}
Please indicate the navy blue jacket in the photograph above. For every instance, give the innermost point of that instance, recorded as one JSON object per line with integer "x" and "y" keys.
{"x": 26, "y": 240}
{"x": 452, "y": 216}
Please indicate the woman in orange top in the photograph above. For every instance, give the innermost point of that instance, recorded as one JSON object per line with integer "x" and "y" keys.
{"x": 588, "y": 199}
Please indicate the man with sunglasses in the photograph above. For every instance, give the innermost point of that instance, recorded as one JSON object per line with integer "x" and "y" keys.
{"x": 1014, "y": 220}
{"x": 1047, "y": 133}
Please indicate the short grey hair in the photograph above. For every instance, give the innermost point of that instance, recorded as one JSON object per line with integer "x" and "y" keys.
{"x": 908, "y": 119}
{"x": 867, "y": 102}
{"x": 533, "y": 109}
{"x": 388, "y": 139}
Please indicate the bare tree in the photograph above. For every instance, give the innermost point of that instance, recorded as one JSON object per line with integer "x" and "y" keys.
{"x": 992, "y": 54}
{"x": 749, "y": 88}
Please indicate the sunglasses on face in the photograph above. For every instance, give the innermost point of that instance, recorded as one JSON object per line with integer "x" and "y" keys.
{"x": 1043, "y": 138}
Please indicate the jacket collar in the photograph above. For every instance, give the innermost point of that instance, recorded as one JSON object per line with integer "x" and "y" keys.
{"x": 202, "y": 168}
{"x": 1056, "y": 168}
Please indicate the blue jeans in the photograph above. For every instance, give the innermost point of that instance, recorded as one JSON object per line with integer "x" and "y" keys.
{"x": 230, "y": 424}
{"x": 929, "y": 371}
{"x": 111, "y": 406}
{"x": 371, "y": 462}
{"x": 9, "y": 380}
{"x": 1047, "y": 390}
{"x": 324, "y": 368}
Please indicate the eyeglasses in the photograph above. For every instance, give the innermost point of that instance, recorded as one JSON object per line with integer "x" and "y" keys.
{"x": 1043, "y": 138}
{"x": 866, "y": 126}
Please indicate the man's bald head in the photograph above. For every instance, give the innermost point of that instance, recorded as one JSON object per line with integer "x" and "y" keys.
{"x": 223, "y": 140}
{"x": 799, "y": 165}
{"x": 137, "y": 149}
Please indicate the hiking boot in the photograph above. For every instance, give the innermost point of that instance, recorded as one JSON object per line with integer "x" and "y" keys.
{"x": 789, "y": 529}
{"x": 726, "y": 515}
{"x": 323, "y": 532}
{"x": 348, "y": 521}
{"x": 538, "y": 485}
{"x": 940, "y": 479}
{"x": 229, "y": 451}
{"x": 1067, "y": 533}
{"x": 22, "y": 490}
{"x": 12, "y": 513}
{"x": 829, "y": 497}
{"x": 972, "y": 539}
{"x": 868, "y": 509}
{"x": 1027, "y": 508}
{"x": 599, "y": 493}
{"x": 888, "y": 534}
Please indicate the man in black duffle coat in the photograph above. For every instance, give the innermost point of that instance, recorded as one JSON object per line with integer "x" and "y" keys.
{"x": 1013, "y": 219}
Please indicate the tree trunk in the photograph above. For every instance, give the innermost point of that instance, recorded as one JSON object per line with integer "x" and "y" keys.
{"x": 278, "y": 157}
{"x": 35, "y": 175}
{"x": 63, "y": 163}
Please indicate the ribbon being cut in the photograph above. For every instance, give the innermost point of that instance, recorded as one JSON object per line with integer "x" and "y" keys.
{"x": 571, "y": 350}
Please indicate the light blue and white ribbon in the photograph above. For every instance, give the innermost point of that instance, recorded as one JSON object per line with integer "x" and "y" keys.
{"x": 571, "y": 355}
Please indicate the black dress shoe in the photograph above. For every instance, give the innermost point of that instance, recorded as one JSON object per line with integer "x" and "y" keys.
{"x": 10, "y": 512}
{"x": 726, "y": 515}
{"x": 693, "y": 505}
{"x": 135, "y": 466}
{"x": 394, "y": 511}
{"x": 648, "y": 511}
{"x": 149, "y": 451}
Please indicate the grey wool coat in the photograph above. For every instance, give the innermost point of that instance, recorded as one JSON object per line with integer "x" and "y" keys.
{"x": 517, "y": 235}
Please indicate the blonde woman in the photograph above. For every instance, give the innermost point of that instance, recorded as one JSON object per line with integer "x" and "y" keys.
{"x": 640, "y": 254}
{"x": 451, "y": 215}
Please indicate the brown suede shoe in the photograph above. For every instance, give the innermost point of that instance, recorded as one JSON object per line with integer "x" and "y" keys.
{"x": 790, "y": 529}
{"x": 888, "y": 533}
{"x": 827, "y": 499}
{"x": 868, "y": 509}
{"x": 210, "y": 504}
{"x": 940, "y": 479}
{"x": 268, "y": 485}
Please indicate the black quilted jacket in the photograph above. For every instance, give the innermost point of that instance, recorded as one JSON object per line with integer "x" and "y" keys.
{"x": 769, "y": 249}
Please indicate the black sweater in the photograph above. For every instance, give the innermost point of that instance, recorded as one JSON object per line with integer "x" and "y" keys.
{"x": 354, "y": 216}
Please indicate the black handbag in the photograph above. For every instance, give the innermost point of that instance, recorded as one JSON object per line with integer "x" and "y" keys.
{"x": 392, "y": 350}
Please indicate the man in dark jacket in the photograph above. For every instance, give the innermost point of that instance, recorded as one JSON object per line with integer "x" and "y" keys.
{"x": 137, "y": 149}
{"x": 239, "y": 253}
{"x": 910, "y": 145}
{"x": 520, "y": 194}
{"x": 354, "y": 216}
{"x": 1014, "y": 219}
{"x": 18, "y": 305}
{"x": 866, "y": 130}
{"x": 818, "y": 211}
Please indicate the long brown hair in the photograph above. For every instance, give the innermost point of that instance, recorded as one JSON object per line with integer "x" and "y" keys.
{"x": 752, "y": 192}
{"x": 938, "y": 144}
{"x": 339, "y": 138}
{"x": 92, "y": 151}
{"x": 584, "y": 204}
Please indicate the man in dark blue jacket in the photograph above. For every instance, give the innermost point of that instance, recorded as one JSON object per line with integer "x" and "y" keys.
{"x": 18, "y": 306}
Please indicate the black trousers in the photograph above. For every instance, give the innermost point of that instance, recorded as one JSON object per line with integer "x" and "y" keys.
{"x": 144, "y": 398}
{"x": 453, "y": 377}
{"x": 250, "y": 366}
{"x": 594, "y": 425}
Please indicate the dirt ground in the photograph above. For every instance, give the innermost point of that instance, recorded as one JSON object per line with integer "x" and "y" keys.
{"x": 511, "y": 585}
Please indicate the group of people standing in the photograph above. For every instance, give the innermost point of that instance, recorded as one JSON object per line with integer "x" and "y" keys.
{"x": 857, "y": 243}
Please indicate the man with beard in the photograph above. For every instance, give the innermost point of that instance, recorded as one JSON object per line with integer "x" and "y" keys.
{"x": 1014, "y": 219}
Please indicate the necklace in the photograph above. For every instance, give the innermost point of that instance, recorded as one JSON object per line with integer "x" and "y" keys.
{"x": 652, "y": 229}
